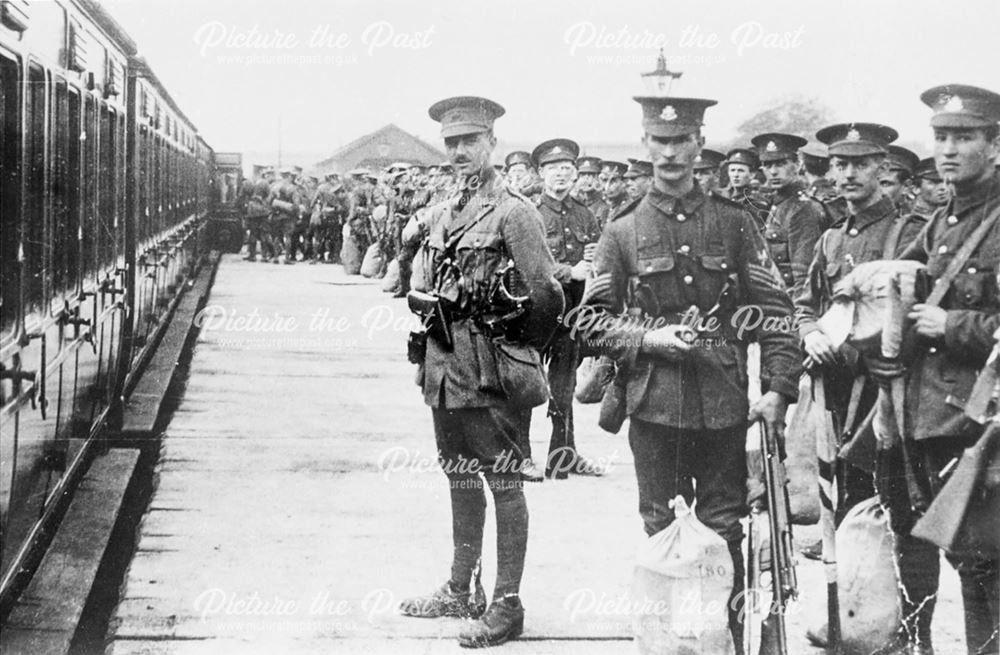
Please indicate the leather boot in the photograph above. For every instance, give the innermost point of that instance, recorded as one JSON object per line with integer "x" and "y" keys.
{"x": 503, "y": 621}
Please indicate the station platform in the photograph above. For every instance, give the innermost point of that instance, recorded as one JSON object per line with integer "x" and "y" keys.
{"x": 298, "y": 498}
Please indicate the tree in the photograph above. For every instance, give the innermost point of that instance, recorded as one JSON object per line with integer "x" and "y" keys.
{"x": 790, "y": 114}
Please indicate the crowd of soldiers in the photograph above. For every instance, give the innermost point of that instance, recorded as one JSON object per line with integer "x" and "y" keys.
{"x": 290, "y": 216}
{"x": 774, "y": 225}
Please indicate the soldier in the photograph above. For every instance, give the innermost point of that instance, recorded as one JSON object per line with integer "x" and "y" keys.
{"x": 327, "y": 220}
{"x": 932, "y": 192}
{"x": 741, "y": 164}
{"x": 794, "y": 221}
{"x": 895, "y": 180}
{"x": 814, "y": 166}
{"x": 256, "y": 213}
{"x": 706, "y": 169}
{"x": 955, "y": 336}
{"x": 588, "y": 191}
{"x": 638, "y": 178}
{"x": 285, "y": 201}
{"x": 615, "y": 191}
{"x": 872, "y": 229}
{"x": 521, "y": 175}
{"x": 485, "y": 236}
{"x": 571, "y": 233}
{"x": 687, "y": 398}
{"x": 361, "y": 202}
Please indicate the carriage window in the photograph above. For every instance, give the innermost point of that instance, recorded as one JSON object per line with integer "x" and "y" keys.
{"x": 142, "y": 210}
{"x": 10, "y": 194}
{"x": 72, "y": 232}
{"x": 35, "y": 254}
{"x": 106, "y": 212}
{"x": 63, "y": 236}
{"x": 89, "y": 152}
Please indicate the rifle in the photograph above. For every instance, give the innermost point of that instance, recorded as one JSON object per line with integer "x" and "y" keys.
{"x": 784, "y": 582}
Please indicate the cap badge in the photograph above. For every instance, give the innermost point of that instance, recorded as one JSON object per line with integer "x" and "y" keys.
{"x": 954, "y": 103}
{"x": 771, "y": 146}
{"x": 853, "y": 134}
{"x": 556, "y": 150}
{"x": 668, "y": 113}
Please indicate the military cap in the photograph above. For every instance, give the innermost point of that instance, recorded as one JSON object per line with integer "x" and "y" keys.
{"x": 927, "y": 169}
{"x": 358, "y": 171}
{"x": 498, "y": 168}
{"x": 297, "y": 169}
{"x": 902, "y": 159}
{"x": 814, "y": 150}
{"x": 395, "y": 175}
{"x": 637, "y": 168}
{"x": 397, "y": 166}
{"x": 555, "y": 150}
{"x": 286, "y": 170}
{"x": 743, "y": 156}
{"x": 708, "y": 159}
{"x": 420, "y": 168}
{"x": 665, "y": 116}
{"x": 591, "y": 165}
{"x": 465, "y": 115}
{"x": 857, "y": 139}
{"x": 518, "y": 157}
{"x": 613, "y": 167}
{"x": 776, "y": 146}
{"x": 331, "y": 175}
{"x": 961, "y": 105}
{"x": 432, "y": 169}
{"x": 446, "y": 167}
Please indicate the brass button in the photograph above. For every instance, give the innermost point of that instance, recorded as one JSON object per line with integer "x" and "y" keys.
{"x": 942, "y": 250}
{"x": 681, "y": 218}
{"x": 853, "y": 231}
{"x": 952, "y": 219}
{"x": 685, "y": 249}
{"x": 724, "y": 265}
{"x": 649, "y": 267}
{"x": 688, "y": 279}
{"x": 972, "y": 270}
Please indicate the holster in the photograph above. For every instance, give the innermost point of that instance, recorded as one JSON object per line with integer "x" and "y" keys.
{"x": 433, "y": 315}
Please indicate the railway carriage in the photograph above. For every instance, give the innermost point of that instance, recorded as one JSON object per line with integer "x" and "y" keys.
{"x": 105, "y": 186}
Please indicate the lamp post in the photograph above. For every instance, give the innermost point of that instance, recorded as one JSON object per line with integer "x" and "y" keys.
{"x": 658, "y": 81}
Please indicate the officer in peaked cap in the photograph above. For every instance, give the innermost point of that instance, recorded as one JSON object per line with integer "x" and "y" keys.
{"x": 615, "y": 190}
{"x": 571, "y": 232}
{"x": 958, "y": 332}
{"x": 638, "y": 178}
{"x": 931, "y": 190}
{"x": 706, "y": 169}
{"x": 794, "y": 221}
{"x": 588, "y": 189}
{"x": 493, "y": 279}
{"x": 899, "y": 169}
{"x": 693, "y": 254}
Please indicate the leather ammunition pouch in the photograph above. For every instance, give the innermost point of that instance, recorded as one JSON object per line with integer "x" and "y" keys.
{"x": 432, "y": 314}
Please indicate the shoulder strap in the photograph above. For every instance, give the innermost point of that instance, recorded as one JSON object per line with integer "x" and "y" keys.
{"x": 959, "y": 260}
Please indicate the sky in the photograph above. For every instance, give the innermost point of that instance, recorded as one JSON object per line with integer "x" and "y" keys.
{"x": 317, "y": 74}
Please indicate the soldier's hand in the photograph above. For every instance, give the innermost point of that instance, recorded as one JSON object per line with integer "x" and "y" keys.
{"x": 884, "y": 370}
{"x": 588, "y": 252}
{"x": 819, "y": 348}
{"x": 929, "y": 320}
{"x": 771, "y": 408}
{"x": 581, "y": 270}
{"x": 671, "y": 342}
